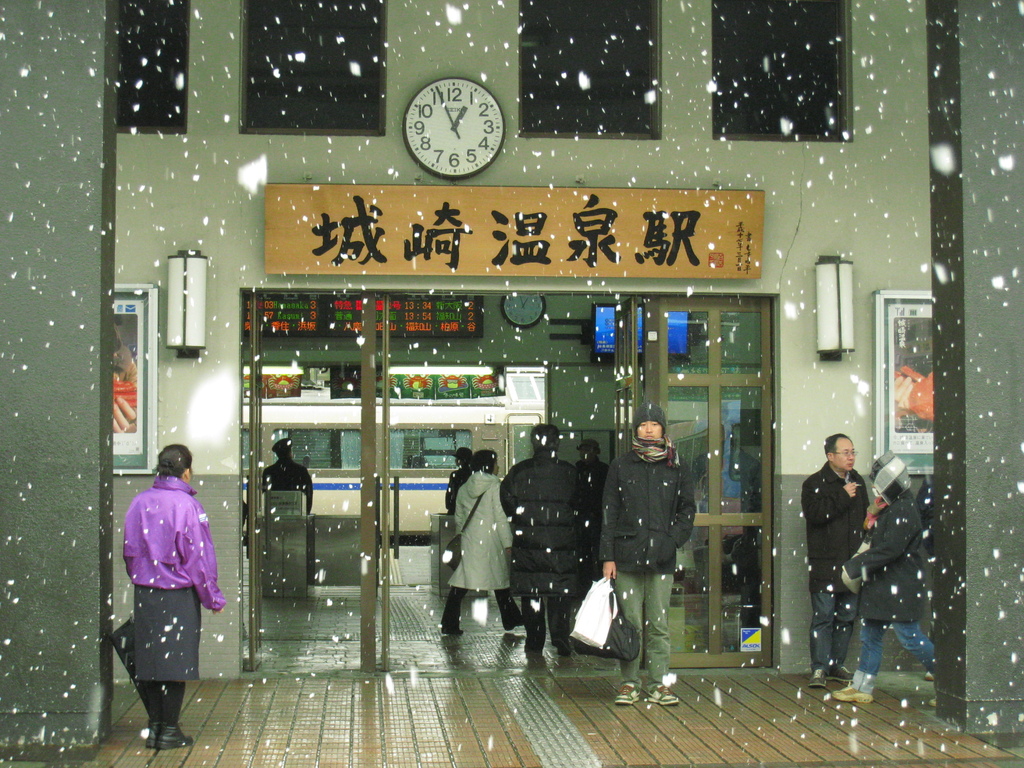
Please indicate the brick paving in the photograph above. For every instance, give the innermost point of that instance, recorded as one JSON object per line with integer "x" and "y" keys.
{"x": 534, "y": 720}
{"x": 480, "y": 701}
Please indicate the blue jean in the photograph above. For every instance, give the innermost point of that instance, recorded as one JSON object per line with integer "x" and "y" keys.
{"x": 831, "y": 628}
{"x": 910, "y": 636}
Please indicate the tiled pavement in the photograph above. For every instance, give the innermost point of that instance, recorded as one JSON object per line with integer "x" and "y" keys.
{"x": 534, "y": 720}
{"x": 479, "y": 701}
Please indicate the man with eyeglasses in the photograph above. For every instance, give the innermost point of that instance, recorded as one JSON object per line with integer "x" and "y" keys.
{"x": 834, "y": 502}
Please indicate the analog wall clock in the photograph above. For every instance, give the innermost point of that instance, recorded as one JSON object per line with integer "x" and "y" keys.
{"x": 523, "y": 310}
{"x": 454, "y": 127}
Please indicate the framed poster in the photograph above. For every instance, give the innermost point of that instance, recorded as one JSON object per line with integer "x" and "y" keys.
{"x": 904, "y": 377}
{"x": 134, "y": 369}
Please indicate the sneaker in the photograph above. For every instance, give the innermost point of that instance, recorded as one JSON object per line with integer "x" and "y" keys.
{"x": 853, "y": 695}
{"x": 929, "y": 677}
{"x": 840, "y": 674}
{"x": 932, "y": 703}
{"x": 817, "y": 679}
{"x": 628, "y": 694}
{"x": 664, "y": 696}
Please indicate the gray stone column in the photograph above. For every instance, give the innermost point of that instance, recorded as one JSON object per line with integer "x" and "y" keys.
{"x": 976, "y": 93}
{"x": 56, "y": 215}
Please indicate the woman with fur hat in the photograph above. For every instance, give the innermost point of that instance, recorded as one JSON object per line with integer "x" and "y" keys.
{"x": 890, "y": 576}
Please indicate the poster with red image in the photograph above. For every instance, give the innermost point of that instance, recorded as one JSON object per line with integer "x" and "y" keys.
{"x": 905, "y": 393}
{"x": 133, "y": 422}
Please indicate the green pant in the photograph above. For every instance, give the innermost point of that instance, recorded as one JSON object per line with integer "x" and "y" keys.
{"x": 640, "y": 595}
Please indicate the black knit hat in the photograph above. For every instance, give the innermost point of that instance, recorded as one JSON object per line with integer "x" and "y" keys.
{"x": 649, "y": 412}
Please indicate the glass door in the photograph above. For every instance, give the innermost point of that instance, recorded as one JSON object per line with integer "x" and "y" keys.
{"x": 709, "y": 363}
{"x": 252, "y": 498}
{"x": 346, "y": 543}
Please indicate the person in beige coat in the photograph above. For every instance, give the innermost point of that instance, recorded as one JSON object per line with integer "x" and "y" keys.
{"x": 486, "y": 542}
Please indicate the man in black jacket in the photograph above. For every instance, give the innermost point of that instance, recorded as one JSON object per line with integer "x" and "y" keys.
{"x": 592, "y": 474}
{"x": 286, "y": 474}
{"x": 834, "y": 501}
{"x": 542, "y": 498}
{"x": 648, "y": 516}
{"x": 457, "y": 478}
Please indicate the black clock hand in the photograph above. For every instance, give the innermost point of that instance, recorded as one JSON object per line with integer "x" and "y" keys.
{"x": 457, "y": 120}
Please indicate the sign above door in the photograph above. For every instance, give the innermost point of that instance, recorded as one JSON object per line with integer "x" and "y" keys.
{"x": 365, "y": 231}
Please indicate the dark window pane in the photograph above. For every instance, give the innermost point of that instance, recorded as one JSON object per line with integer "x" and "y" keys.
{"x": 319, "y": 448}
{"x": 153, "y": 64}
{"x": 427, "y": 448}
{"x": 314, "y": 65}
{"x": 316, "y": 448}
{"x": 777, "y": 68}
{"x": 588, "y": 67}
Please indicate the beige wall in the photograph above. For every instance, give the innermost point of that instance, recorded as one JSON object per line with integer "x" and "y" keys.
{"x": 867, "y": 199}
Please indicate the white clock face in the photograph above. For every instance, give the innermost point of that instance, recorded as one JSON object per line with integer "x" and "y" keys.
{"x": 454, "y": 127}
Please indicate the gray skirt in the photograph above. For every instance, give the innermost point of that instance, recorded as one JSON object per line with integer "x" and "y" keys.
{"x": 167, "y": 625}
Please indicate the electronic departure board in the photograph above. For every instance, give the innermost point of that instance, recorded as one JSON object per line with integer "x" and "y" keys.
{"x": 330, "y": 314}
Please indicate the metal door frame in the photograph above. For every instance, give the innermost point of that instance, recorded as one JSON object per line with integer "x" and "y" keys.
{"x": 375, "y": 550}
{"x": 629, "y": 380}
{"x": 252, "y": 484}
{"x": 657, "y": 380}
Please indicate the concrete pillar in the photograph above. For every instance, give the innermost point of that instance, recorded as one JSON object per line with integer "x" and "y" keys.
{"x": 56, "y": 216}
{"x": 976, "y": 93}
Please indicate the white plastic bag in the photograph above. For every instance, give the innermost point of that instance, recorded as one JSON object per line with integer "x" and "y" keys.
{"x": 594, "y": 617}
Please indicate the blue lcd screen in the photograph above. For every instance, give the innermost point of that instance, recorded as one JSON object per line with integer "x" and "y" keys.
{"x": 604, "y": 331}
{"x": 678, "y": 333}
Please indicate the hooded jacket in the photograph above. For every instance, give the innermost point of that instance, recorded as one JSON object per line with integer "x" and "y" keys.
{"x": 541, "y": 497}
{"x": 892, "y": 567}
{"x": 167, "y": 542}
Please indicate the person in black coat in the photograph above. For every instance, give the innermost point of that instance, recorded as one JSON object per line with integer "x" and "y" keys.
{"x": 457, "y": 478}
{"x": 891, "y": 575}
{"x": 286, "y": 474}
{"x": 833, "y": 500}
{"x": 592, "y": 475}
{"x": 541, "y": 497}
{"x": 648, "y": 515}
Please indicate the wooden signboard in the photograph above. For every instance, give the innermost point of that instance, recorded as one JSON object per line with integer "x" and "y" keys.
{"x": 512, "y": 231}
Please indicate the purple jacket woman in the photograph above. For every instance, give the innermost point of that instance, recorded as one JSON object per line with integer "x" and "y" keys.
{"x": 168, "y": 553}
{"x": 167, "y": 542}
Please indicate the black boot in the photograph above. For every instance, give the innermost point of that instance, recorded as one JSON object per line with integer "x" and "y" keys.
{"x": 172, "y": 695}
{"x": 151, "y": 694}
{"x": 511, "y": 617}
{"x": 154, "y": 734}
{"x": 452, "y": 611}
{"x": 171, "y": 737}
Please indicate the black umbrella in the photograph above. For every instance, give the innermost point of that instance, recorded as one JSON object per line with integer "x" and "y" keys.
{"x": 123, "y": 639}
